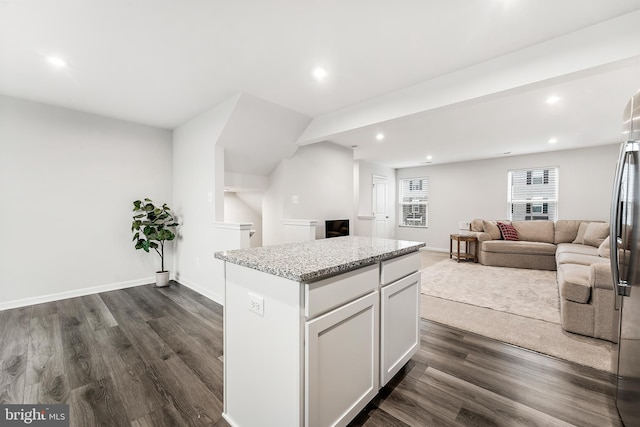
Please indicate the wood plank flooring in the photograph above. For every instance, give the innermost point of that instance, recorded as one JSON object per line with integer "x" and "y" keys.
{"x": 145, "y": 356}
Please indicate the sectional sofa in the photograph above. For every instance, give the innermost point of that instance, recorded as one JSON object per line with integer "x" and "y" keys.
{"x": 577, "y": 249}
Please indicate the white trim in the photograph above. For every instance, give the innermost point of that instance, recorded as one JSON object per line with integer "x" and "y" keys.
{"x": 307, "y": 222}
{"x": 229, "y": 420}
{"x": 75, "y": 293}
{"x": 233, "y": 225}
{"x": 201, "y": 290}
{"x": 105, "y": 288}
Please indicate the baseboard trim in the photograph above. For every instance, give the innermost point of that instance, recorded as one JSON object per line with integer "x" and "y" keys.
{"x": 201, "y": 290}
{"x": 75, "y": 293}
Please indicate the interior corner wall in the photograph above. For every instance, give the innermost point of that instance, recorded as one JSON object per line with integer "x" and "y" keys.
{"x": 321, "y": 176}
{"x": 478, "y": 189}
{"x": 68, "y": 183}
{"x": 364, "y": 195}
{"x": 198, "y": 180}
{"x": 273, "y": 206}
{"x": 236, "y": 210}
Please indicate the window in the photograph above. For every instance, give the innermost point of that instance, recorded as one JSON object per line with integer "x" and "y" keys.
{"x": 533, "y": 194}
{"x": 414, "y": 195}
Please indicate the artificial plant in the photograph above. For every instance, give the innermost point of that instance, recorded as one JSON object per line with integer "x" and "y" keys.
{"x": 152, "y": 227}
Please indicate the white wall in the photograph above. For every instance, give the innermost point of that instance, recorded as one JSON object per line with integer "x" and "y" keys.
{"x": 478, "y": 189}
{"x": 273, "y": 207}
{"x": 245, "y": 182}
{"x": 321, "y": 176}
{"x": 67, "y": 183}
{"x": 364, "y": 193}
{"x": 198, "y": 169}
{"x": 236, "y": 210}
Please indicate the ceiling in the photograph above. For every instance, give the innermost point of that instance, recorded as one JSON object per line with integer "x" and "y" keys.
{"x": 505, "y": 124}
{"x": 162, "y": 62}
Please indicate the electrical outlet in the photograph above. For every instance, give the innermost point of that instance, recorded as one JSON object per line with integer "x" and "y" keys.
{"x": 256, "y": 304}
{"x": 294, "y": 199}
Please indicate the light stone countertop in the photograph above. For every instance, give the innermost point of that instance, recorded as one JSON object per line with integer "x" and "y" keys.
{"x": 317, "y": 259}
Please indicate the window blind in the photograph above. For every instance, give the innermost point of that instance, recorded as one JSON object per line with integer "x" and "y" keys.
{"x": 533, "y": 194}
{"x": 413, "y": 203}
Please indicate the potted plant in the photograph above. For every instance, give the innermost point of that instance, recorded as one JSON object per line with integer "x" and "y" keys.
{"x": 152, "y": 227}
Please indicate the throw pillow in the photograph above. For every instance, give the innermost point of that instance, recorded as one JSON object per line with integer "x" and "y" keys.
{"x": 604, "y": 248}
{"x": 580, "y": 236}
{"x": 493, "y": 230}
{"x": 566, "y": 230}
{"x": 595, "y": 233}
{"x": 508, "y": 231}
{"x": 476, "y": 225}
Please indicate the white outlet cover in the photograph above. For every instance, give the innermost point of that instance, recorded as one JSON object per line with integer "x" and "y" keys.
{"x": 256, "y": 304}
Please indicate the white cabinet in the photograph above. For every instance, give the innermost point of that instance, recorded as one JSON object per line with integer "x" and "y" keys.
{"x": 400, "y": 325}
{"x": 400, "y": 313}
{"x": 341, "y": 362}
{"x": 316, "y": 353}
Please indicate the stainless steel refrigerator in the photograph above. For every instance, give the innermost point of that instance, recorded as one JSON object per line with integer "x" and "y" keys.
{"x": 625, "y": 266}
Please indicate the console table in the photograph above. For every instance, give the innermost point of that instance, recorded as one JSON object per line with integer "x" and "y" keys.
{"x": 470, "y": 247}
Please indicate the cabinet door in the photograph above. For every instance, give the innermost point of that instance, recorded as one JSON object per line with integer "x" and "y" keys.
{"x": 341, "y": 362}
{"x": 400, "y": 333}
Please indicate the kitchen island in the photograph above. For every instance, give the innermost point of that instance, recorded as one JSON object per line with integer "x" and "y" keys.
{"x": 313, "y": 330}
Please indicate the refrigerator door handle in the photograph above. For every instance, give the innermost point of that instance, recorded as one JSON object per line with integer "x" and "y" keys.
{"x": 615, "y": 216}
{"x": 624, "y": 289}
{"x": 628, "y": 242}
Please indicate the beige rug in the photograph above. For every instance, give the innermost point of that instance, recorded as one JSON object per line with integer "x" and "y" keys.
{"x": 513, "y": 305}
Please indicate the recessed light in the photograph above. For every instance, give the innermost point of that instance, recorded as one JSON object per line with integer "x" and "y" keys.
{"x": 354, "y": 146}
{"x": 429, "y": 157}
{"x": 507, "y": 153}
{"x": 379, "y": 136}
{"x": 553, "y": 140}
{"x": 553, "y": 99}
{"x": 56, "y": 61}
{"x": 319, "y": 73}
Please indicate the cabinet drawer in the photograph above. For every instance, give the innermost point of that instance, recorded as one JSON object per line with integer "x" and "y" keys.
{"x": 397, "y": 268}
{"x": 324, "y": 295}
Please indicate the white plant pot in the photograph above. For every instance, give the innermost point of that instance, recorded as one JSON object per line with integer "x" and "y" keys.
{"x": 162, "y": 279}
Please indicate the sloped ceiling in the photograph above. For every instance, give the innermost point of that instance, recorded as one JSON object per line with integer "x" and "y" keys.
{"x": 258, "y": 135}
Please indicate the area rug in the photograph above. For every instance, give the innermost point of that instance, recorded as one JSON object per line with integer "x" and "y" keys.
{"x": 513, "y": 305}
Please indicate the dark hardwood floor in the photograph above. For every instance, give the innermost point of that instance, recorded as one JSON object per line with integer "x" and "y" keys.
{"x": 145, "y": 356}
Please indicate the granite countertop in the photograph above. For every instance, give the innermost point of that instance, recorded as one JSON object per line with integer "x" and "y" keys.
{"x": 317, "y": 259}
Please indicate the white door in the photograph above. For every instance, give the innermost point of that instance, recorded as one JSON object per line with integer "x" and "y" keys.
{"x": 342, "y": 362}
{"x": 400, "y": 325}
{"x": 380, "y": 208}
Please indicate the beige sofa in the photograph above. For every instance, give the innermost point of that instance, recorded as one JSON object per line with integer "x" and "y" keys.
{"x": 578, "y": 250}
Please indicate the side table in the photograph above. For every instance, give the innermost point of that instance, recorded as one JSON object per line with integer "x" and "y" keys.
{"x": 470, "y": 247}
